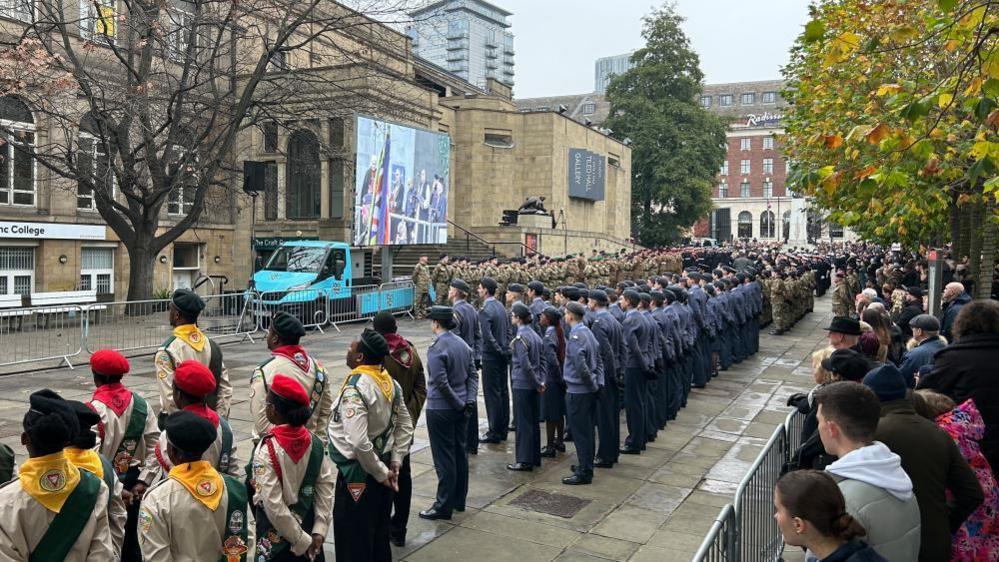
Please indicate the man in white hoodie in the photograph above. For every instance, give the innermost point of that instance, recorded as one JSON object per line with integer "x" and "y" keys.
{"x": 878, "y": 492}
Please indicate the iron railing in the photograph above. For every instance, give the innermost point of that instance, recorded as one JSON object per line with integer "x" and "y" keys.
{"x": 718, "y": 545}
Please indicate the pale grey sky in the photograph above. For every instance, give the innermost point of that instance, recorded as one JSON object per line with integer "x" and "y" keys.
{"x": 557, "y": 41}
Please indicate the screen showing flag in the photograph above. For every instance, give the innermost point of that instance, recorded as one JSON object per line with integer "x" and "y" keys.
{"x": 401, "y": 187}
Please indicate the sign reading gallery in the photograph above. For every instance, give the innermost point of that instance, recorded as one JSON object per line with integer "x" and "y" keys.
{"x": 52, "y": 231}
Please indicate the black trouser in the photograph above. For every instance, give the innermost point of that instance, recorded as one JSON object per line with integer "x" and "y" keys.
{"x": 472, "y": 430}
{"x": 634, "y": 407}
{"x": 526, "y": 406}
{"x": 496, "y": 390}
{"x": 361, "y": 527}
{"x": 674, "y": 391}
{"x": 580, "y": 409}
{"x": 402, "y": 499}
{"x": 609, "y": 423}
{"x": 264, "y": 528}
{"x": 446, "y": 429}
{"x": 130, "y": 551}
{"x": 661, "y": 397}
{"x": 651, "y": 424}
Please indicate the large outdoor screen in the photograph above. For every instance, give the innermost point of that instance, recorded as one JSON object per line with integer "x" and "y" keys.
{"x": 401, "y": 188}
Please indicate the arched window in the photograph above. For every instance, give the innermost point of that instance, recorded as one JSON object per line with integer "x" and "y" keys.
{"x": 17, "y": 167}
{"x": 93, "y": 164}
{"x": 745, "y": 224}
{"x": 303, "y": 177}
{"x": 766, "y": 224}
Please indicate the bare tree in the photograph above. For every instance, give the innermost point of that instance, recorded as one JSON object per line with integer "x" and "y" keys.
{"x": 144, "y": 102}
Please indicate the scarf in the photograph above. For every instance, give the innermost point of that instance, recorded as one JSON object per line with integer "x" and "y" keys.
{"x": 399, "y": 350}
{"x": 192, "y": 336}
{"x": 87, "y": 459}
{"x": 295, "y": 441}
{"x": 49, "y": 479}
{"x": 201, "y": 480}
{"x": 377, "y": 374}
{"x": 114, "y": 396}
{"x": 296, "y": 354}
{"x": 204, "y": 411}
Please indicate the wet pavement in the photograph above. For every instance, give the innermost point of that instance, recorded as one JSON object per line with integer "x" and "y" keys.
{"x": 655, "y": 506}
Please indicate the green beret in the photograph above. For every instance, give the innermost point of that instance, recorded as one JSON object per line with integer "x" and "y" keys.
{"x": 287, "y": 325}
{"x": 188, "y": 302}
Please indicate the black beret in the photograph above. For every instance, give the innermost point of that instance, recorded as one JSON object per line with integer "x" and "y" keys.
{"x": 645, "y": 297}
{"x": 461, "y": 286}
{"x": 630, "y": 294}
{"x": 579, "y": 285}
{"x": 88, "y": 418}
{"x": 488, "y": 283}
{"x": 520, "y": 310}
{"x": 190, "y": 432}
{"x": 552, "y": 313}
{"x": 536, "y": 286}
{"x": 286, "y": 324}
{"x": 47, "y": 402}
{"x": 599, "y": 295}
{"x": 188, "y": 302}
{"x": 441, "y": 313}
{"x": 583, "y": 294}
{"x": 571, "y": 293}
{"x": 516, "y": 288}
{"x": 374, "y": 344}
{"x": 657, "y": 297}
{"x": 576, "y": 309}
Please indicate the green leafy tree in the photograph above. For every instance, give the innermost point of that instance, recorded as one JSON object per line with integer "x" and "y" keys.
{"x": 893, "y": 121}
{"x": 677, "y": 146}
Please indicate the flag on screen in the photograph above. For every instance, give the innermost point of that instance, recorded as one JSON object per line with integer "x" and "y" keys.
{"x": 378, "y": 216}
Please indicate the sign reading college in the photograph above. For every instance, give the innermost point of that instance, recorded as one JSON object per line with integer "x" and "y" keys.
{"x": 587, "y": 174}
{"x": 52, "y": 231}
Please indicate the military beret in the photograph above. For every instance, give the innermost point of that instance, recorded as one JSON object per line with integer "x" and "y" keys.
{"x": 516, "y": 288}
{"x": 520, "y": 310}
{"x": 188, "y": 302}
{"x": 576, "y": 309}
{"x": 622, "y": 285}
{"x": 599, "y": 296}
{"x": 46, "y": 403}
{"x": 536, "y": 286}
{"x": 194, "y": 378}
{"x": 373, "y": 344}
{"x": 441, "y": 313}
{"x": 461, "y": 286}
{"x": 657, "y": 297}
{"x": 84, "y": 414}
{"x": 189, "y": 432}
{"x": 488, "y": 283}
{"x": 669, "y": 294}
{"x": 552, "y": 313}
{"x": 583, "y": 294}
{"x": 645, "y": 297}
{"x": 631, "y": 294}
{"x": 728, "y": 268}
{"x": 719, "y": 272}
{"x": 289, "y": 389}
{"x": 740, "y": 276}
{"x": 109, "y": 363}
{"x": 579, "y": 285}
{"x": 288, "y": 325}
{"x": 571, "y": 293}
{"x": 709, "y": 289}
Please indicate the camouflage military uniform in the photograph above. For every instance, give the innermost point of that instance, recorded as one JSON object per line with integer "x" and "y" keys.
{"x": 421, "y": 283}
{"x": 842, "y": 301}
{"x": 441, "y": 277}
{"x": 778, "y": 298}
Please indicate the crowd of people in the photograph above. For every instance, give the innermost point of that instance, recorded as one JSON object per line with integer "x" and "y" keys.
{"x": 895, "y": 464}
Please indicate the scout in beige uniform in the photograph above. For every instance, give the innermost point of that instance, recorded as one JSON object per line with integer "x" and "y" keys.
{"x": 290, "y": 359}
{"x": 81, "y": 453}
{"x": 370, "y": 435}
{"x": 292, "y": 480}
{"x": 196, "y": 514}
{"x": 192, "y": 384}
{"x": 188, "y": 342}
{"x": 53, "y": 510}
{"x": 127, "y": 434}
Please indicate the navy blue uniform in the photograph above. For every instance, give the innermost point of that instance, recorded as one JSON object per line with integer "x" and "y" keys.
{"x": 495, "y": 349}
{"x": 636, "y": 335}
{"x": 527, "y": 376}
{"x": 470, "y": 332}
{"x": 610, "y": 339}
{"x": 583, "y": 374}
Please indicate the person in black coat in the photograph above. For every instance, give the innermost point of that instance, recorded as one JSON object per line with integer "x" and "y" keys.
{"x": 913, "y": 308}
{"x": 969, "y": 368}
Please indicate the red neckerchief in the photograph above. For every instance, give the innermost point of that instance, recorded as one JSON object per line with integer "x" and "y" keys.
{"x": 204, "y": 411}
{"x": 114, "y": 396}
{"x": 399, "y": 350}
{"x": 295, "y": 441}
{"x": 296, "y": 354}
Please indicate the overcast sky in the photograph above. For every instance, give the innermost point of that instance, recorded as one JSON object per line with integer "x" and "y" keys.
{"x": 557, "y": 41}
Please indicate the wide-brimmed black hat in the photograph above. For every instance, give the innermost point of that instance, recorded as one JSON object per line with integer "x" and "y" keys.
{"x": 844, "y": 325}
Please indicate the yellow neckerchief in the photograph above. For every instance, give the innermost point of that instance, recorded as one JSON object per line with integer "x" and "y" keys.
{"x": 201, "y": 480}
{"x": 191, "y": 335}
{"x": 49, "y": 479}
{"x": 87, "y": 459}
{"x": 379, "y": 375}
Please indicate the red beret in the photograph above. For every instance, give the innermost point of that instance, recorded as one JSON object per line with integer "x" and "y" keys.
{"x": 109, "y": 363}
{"x": 194, "y": 378}
{"x": 289, "y": 389}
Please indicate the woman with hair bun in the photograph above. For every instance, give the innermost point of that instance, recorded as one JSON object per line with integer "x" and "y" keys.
{"x": 811, "y": 512}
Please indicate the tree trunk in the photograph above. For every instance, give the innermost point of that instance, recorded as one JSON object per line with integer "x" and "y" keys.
{"x": 983, "y": 281}
{"x": 972, "y": 227}
{"x": 142, "y": 261}
{"x": 955, "y": 222}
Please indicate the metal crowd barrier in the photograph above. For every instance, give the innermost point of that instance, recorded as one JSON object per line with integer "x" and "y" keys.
{"x": 793, "y": 424}
{"x": 720, "y": 540}
{"x": 41, "y": 334}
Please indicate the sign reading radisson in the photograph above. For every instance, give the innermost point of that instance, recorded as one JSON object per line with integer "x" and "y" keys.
{"x": 765, "y": 119}
{"x": 587, "y": 174}
{"x": 52, "y": 231}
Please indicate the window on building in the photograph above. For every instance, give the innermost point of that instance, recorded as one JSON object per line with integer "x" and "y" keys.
{"x": 768, "y": 165}
{"x": 744, "y": 189}
{"x": 767, "y": 224}
{"x": 768, "y": 188}
{"x": 747, "y": 98}
{"x": 22, "y": 10}
{"x": 723, "y": 189}
{"x": 17, "y": 167}
{"x": 92, "y": 164}
{"x": 768, "y": 143}
{"x": 769, "y": 97}
{"x": 589, "y": 108}
{"x": 302, "y": 177}
{"x": 17, "y": 270}
{"x": 336, "y": 188}
{"x": 724, "y": 168}
{"x": 97, "y": 270}
{"x": 744, "y": 167}
{"x": 184, "y": 176}
{"x": 278, "y": 62}
{"x": 269, "y": 131}
{"x": 725, "y": 99}
{"x": 499, "y": 140}
{"x": 745, "y": 224}
{"x": 181, "y": 23}
{"x": 745, "y": 144}
{"x": 835, "y": 230}
{"x": 705, "y": 101}
{"x": 97, "y": 20}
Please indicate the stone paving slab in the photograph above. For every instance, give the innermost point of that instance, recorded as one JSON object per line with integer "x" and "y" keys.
{"x": 656, "y": 506}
